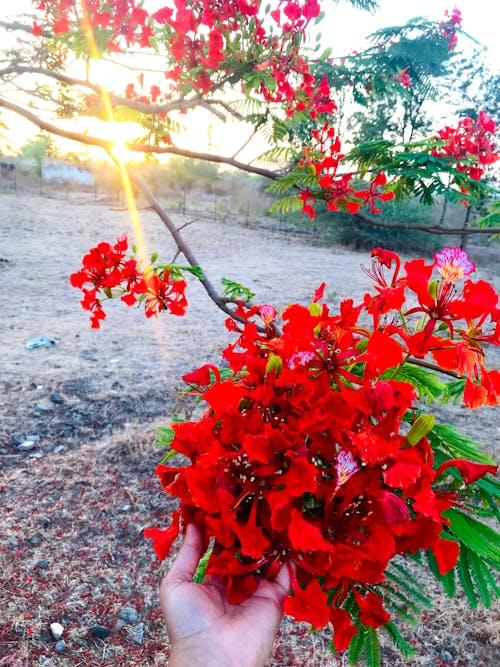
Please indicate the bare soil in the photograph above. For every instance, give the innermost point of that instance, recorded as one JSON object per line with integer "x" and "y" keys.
{"x": 76, "y": 500}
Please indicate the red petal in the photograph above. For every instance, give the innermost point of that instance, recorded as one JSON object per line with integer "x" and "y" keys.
{"x": 446, "y": 553}
{"x": 469, "y": 470}
{"x": 343, "y": 629}
{"x": 308, "y": 605}
{"x": 163, "y": 539}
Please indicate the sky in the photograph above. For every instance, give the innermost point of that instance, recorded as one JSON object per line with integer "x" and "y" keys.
{"x": 345, "y": 29}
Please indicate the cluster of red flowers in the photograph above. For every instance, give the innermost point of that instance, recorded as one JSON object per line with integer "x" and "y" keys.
{"x": 109, "y": 273}
{"x": 302, "y": 455}
{"x": 336, "y": 190}
{"x": 198, "y": 35}
{"x": 470, "y": 144}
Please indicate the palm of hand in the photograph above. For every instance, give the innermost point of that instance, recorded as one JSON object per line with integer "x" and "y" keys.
{"x": 200, "y": 617}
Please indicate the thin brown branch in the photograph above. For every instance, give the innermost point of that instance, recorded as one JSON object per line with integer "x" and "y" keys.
{"x": 183, "y": 247}
{"x": 149, "y": 109}
{"x": 207, "y": 157}
{"x": 54, "y": 129}
{"x": 432, "y": 367}
{"x": 425, "y": 228}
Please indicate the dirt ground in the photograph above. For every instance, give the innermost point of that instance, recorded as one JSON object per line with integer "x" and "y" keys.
{"x": 77, "y": 425}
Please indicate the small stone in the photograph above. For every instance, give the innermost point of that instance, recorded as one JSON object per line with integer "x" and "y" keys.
{"x": 34, "y": 437}
{"x": 42, "y": 564}
{"x": 36, "y": 455}
{"x": 125, "y": 508}
{"x": 26, "y": 446}
{"x": 56, "y": 398}
{"x": 41, "y": 408}
{"x": 49, "y": 447}
{"x": 59, "y": 449}
{"x": 129, "y": 615}
{"x": 34, "y": 539}
{"x": 61, "y": 646}
{"x": 56, "y": 630}
{"x": 137, "y": 633}
{"x": 99, "y": 632}
{"x": 446, "y": 656}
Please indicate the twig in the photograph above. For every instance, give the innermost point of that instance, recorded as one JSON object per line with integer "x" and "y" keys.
{"x": 183, "y": 247}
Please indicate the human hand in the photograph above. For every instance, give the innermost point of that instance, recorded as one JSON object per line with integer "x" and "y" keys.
{"x": 205, "y": 630}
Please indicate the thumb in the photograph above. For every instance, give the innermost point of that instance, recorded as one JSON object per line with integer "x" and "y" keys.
{"x": 188, "y": 557}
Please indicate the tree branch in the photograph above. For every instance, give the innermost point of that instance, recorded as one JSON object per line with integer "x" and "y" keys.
{"x": 207, "y": 157}
{"x": 149, "y": 109}
{"x": 424, "y": 228}
{"x": 219, "y": 300}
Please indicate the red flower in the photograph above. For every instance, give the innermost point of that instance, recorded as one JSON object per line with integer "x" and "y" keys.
{"x": 308, "y": 604}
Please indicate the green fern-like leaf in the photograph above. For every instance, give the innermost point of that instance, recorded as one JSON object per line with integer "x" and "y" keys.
{"x": 372, "y": 648}
{"x": 446, "y": 580}
{"x": 428, "y": 385}
{"x": 464, "y": 577}
{"x": 458, "y": 445}
{"x": 454, "y": 391}
{"x": 399, "y": 641}
{"x": 286, "y": 205}
{"x": 234, "y": 290}
{"x": 478, "y": 567}
{"x": 477, "y": 536}
{"x": 356, "y": 646}
{"x": 408, "y": 587}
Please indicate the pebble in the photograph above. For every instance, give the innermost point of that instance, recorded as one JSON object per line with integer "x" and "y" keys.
{"x": 34, "y": 539}
{"x": 137, "y": 633}
{"x": 446, "y": 656}
{"x": 36, "y": 455}
{"x": 41, "y": 564}
{"x": 99, "y": 632}
{"x": 56, "y": 398}
{"x": 56, "y": 630}
{"x": 61, "y": 646}
{"x": 43, "y": 408}
{"x": 49, "y": 447}
{"x": 26, "y": 446}
{"x": 129, "y": 615}
{"x": 59, "y": 449}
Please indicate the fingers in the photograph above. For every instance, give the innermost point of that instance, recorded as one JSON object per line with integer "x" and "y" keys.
{"x": 283, "y": 580}
{"x": 188, "y": 557}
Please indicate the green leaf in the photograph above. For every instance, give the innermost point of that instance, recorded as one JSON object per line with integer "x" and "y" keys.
{"x": 165, "y": 436}
{"x": 356, "y": 645}
{"x": 477, "y": 536}
{"x": 458, "y": 445}
{"x": 399, "y": 641}
{"x": 447, "y": 580}
{"x": 372, "y": 649}
{"x": 234, "y": 290}
{"x": 428, "y": 385}
{"x": 199, "y": 575}
{"x": 464, "y": 577}
{"x": 477, "y": 567}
